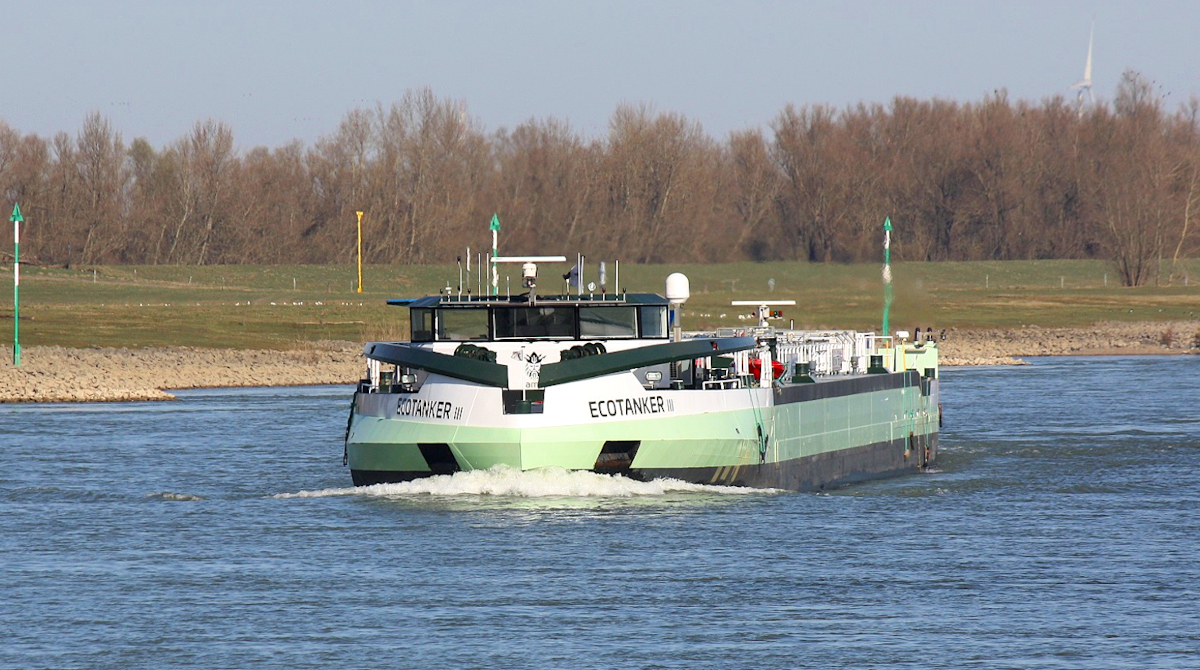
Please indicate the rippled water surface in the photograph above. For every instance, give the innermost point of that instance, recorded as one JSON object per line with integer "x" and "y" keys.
{"x": 1061, "y": 530}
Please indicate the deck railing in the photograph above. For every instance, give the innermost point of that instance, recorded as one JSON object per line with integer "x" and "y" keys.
{"x": 828, "y": 352}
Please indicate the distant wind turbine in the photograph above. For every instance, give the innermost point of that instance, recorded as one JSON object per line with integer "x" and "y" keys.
{"x": 1085, "y": 84}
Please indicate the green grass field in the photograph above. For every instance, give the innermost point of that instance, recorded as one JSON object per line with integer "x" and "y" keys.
{"x": 283, "y": 306}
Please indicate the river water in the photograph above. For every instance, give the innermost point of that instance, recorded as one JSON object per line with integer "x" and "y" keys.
{"x": 1060, "y": 530}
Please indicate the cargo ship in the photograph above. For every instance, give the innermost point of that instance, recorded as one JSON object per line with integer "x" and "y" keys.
{"x": 611, "y": 383}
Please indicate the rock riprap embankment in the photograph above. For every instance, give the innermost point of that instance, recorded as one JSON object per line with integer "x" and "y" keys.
{"x": 58, "y": 374}
{"x": 1005, "y": 345}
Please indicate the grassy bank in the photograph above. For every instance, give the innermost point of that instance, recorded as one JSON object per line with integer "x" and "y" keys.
{"x": 283, "y": 307}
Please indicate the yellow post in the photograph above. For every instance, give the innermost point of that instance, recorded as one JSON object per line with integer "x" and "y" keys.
{"x": 359, "y": 213}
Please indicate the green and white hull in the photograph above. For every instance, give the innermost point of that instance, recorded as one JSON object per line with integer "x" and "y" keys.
{"x": 798, "y": 432}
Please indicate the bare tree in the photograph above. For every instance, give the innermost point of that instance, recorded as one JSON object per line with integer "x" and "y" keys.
{"x": 100, "y": 165}
{"x": 1187, "y": 138}
{"x": 433, "y": 164}
{"x": 1132, "y": 193}
{"x": 992, "y": 179}
{"x": 545, "y": 180}
{"x": 755, "y": 189}
{"x": 655, "y": 180}
{"x": 203, "y": 166}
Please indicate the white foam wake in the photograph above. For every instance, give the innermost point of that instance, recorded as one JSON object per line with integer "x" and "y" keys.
{"x": 540, "y": 483}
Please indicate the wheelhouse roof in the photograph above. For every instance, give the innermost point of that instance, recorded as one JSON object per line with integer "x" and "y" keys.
{"x": 523, "y": 300}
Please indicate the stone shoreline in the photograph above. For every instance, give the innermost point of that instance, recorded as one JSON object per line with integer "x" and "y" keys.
{"x": 58, "y": 374}
{"x": 1007, "y": 346}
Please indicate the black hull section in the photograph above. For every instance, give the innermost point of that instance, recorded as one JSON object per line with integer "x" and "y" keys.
{"x": 818, "y": 472}
{"x": 809, "y": 473}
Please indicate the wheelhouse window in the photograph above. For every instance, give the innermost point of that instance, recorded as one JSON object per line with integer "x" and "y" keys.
{"x": 654, "y": 321}
{"x": 463, "y": 324}
{"x": 605, "y": 322}
{"x": 422, "y": 324}
{"x": 535, "y": 322}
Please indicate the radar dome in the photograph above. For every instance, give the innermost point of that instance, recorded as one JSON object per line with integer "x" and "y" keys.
{"x": 679, "y": 289}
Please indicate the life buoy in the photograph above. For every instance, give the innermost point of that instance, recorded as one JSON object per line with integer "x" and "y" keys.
{"x": 756, "y": 368}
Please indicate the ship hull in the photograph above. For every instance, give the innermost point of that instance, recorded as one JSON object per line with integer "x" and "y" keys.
{"x": 800, "y": 437}
{"x": 817, "y": 472}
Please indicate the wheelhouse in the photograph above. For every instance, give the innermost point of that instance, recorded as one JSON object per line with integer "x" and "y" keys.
{"x": 450, "y": 319}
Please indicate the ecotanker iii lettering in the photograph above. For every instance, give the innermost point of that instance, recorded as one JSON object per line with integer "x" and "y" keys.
{"x": 429, "y": 409}
{"x": 655, "y": 404}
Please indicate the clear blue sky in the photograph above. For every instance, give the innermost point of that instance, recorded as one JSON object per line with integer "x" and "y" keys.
{"x": 280, "y": 70}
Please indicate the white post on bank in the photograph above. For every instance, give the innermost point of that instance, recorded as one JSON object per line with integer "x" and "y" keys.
{"x": 16, "y": 218}
{"x": 495, "y": 252}
{"x": 359, "y": 214}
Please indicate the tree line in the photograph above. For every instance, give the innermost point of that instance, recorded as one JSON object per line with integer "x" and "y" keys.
{"x": 993, "y": 179}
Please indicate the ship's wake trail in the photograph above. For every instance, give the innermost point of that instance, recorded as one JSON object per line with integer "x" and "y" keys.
{"x": 540, "y": 483}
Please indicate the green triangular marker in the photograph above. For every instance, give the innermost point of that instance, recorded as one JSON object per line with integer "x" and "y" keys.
{"x": 887, "y": 223}
{"x": 495, "y": 222}
{"x": 16, "y": 215}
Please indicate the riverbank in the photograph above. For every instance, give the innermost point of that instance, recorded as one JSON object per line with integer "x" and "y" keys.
{"x": 1007, "y": 346}
{"x": 61, "y": 374}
